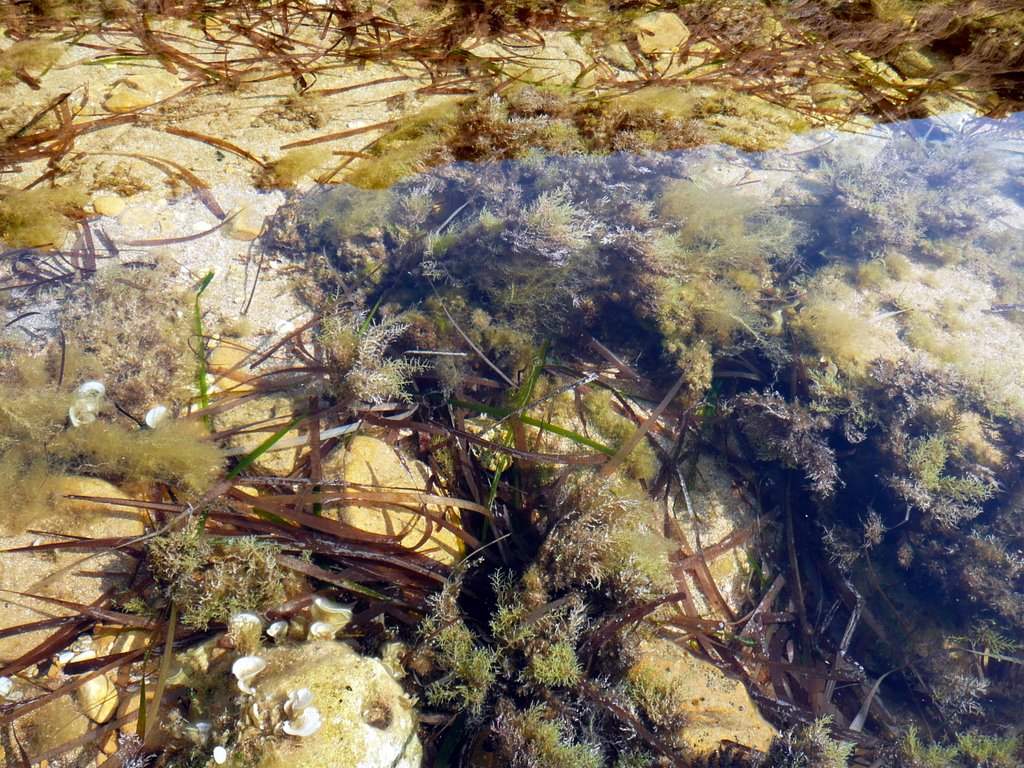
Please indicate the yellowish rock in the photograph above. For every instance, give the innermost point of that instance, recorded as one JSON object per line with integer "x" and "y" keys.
{"x": 143, "y": 90}
{"x": 258, "y": 410}
{"x": 372, "y": 465}
{"x": 98, "y": 698}
{"x": 366, "y": 717}
{"x": 245, "y": 225}
{"x": 713, "y": 707}
{"x": 81, "y": 577}
{"x": 138, "y": 217}
{"x": 109, "y": 745}
{"x": 129, "y": 707}
{"x": 661, "y": 32}
{"x": 108, "y": 205}
{"x": 229, "y": 362}
{"x": 52, "y": 726}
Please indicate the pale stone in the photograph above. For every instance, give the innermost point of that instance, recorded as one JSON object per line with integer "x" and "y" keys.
{"x": 374, "y": 465}
{"x": 720, "y": 509}
{"x": 98, "y": 698}
{"x": 558, "y": 59}
{"x": 144, "y": 90}
{"x": 366, "y": 717}
{"x": 702, "y": 57}
{"x": 80, "y": 578}
{"x": 128, "y": 640}
{"x": 714, "y": 708}
{"x": 109, "y": 745}
{"x": 228, "y": 361}
{"x": 129, "y": 707}
{"x": 661, "y": 32}
{"x": 108, "y": 205}
{"x": 245, "y": 225}
{"x": 138, "y": 217}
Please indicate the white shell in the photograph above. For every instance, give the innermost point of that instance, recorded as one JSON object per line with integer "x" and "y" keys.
{"x": 278, "y": 630}
{"x": 93, "y": 390}
{"x": 321, "y": 630}
{"x": 220, "y": 755}
{"x": 7, "y": 692}
{"x": 306, "y": 724}
{"x": 243, "y": 620}
{"x": 245, "y": 669}
{"x": 337, "y": 615}
{"x": 156, "y": 416}
{"x": 83, "y": 412}
{"x": 87, "y": 402}
{"x": 298, "y": 701}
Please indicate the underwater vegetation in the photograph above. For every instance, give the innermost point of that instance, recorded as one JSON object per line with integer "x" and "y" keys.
{"x": 557, "y": 341}
{"x": 624, "y": 246}
{"x": 801, "y": 331}
{"x": 554, "y": 344}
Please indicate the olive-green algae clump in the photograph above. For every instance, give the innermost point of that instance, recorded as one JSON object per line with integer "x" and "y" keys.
{"x": 602, "y": 555}
{"x": 40, "y": 217}
{"x": 37, "y": 440}
{"x": 531, "y": 119}
{"x": 210, "y": 579}
{"x": 515, "y": 253}
{"x": 132, "y": 328}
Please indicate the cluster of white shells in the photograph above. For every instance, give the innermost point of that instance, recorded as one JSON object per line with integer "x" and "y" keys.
{"x": 88, "y": 402}
{"x": 326, "y": 619}
{"x": 296, "y": 716}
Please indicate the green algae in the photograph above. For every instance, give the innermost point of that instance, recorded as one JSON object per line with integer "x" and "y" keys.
{"x": 820, "y": 334}
{"x": 39, "y": 217}
{"x": 211, "y": 579}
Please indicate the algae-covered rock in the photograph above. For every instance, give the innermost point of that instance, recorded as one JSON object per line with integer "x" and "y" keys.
{"x": 366, "y": 718}
{"x": 695, "y": 702}
{"x": 74, "y": 576}
{"x": 661, "y": 32}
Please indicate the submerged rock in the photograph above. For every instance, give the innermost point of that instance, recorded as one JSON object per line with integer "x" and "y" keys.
{"x": 707, "y": 706}
{"x": 65, "y": 574}
{"x": 661, "y": 32}
{"x": 366, "y": 719}
{"x": 371, "y": 465}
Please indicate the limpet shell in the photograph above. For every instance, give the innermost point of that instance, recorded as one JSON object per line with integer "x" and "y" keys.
{"x": 245, "y": 669}
{"x": 337, "y": 615}
{"x": 306, "y": 724}
{"x": 156, "y": 416}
